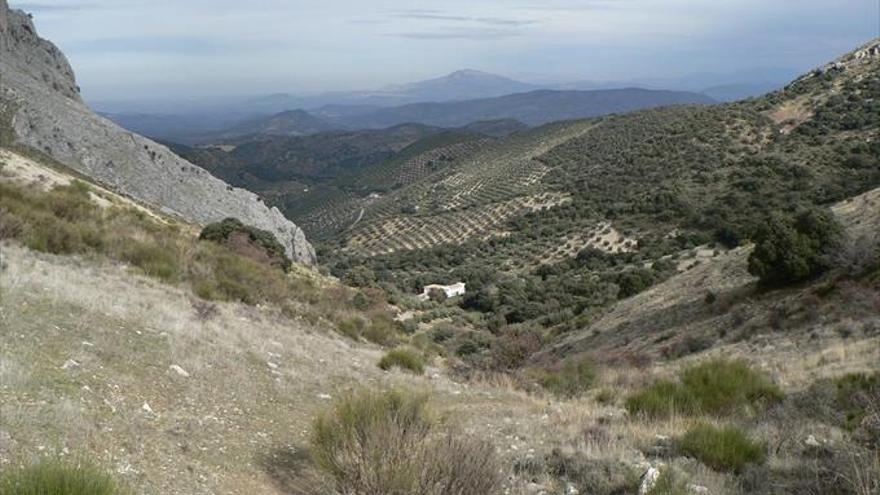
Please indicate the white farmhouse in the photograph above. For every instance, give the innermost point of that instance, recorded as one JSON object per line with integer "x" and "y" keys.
{"x": 450, "y": 290}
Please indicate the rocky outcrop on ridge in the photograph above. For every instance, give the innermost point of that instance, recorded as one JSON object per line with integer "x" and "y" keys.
{"x": 41, "y": 108}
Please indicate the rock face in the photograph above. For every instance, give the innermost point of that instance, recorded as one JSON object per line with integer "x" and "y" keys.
{"x": 39, "y": 92}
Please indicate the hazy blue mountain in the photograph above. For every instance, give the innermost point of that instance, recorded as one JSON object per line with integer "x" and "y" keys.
{"x": 531, "y": 108}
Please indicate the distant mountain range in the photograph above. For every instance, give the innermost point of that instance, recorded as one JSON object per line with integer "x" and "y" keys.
{"x": 512, "y": 111}
{"x": 532, "y": 108}
{"x": 456, "y": 99}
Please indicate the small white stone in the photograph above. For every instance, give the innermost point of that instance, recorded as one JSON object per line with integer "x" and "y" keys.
{"x": 70, "y": 364}
{"x": 811, "y": 441}
{"x": 180, "y": 371}
{"x": 698, "y": 489}
{"x": 272, "y": 365}
{"x": 146, "y": 408}
{"x": 648, "y": 480}
{"x": 324, "y": 396}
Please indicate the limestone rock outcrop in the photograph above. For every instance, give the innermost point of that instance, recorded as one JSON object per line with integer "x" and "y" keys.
{"x": 41, "y": 106}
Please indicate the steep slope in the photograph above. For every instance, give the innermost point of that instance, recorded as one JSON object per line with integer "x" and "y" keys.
{"x": 41, "y": 109}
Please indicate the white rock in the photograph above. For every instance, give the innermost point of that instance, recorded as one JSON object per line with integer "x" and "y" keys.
{"x": 812, "y": 442}
{"x": 180, "y": 371}
{"x": 571, "y": 490}
{"x": 698, "y": 489}
{"x": 648, "y": 480}
{"x": 272, "y": 365}
{"x": 324, "y": 396}
{"x": 70, "y": 364}
{"x": 146, "y": 408}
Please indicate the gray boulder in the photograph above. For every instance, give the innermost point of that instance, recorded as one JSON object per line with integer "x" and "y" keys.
{"x": 40, "y": 103}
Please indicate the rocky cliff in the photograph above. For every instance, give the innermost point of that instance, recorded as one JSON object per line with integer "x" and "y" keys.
{"x": 41, "y": 106}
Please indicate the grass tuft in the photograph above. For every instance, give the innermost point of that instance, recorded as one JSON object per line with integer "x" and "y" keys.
{"x": 722, "y": 449}
{"x": 389, "y": 443}
{"x": 403, "y": 359}
{"x": 52, "y": 477}
{"x": 718, "y": 387}
{"x": 573, "y": 379}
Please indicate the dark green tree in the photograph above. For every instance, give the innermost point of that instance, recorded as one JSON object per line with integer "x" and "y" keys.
{"x": 789, "y": 250}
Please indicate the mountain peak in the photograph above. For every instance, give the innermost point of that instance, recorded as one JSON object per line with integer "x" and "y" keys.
{"x": 466, "y": 73}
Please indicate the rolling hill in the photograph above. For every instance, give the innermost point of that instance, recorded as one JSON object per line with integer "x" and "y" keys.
{"x": 646, "y": 188}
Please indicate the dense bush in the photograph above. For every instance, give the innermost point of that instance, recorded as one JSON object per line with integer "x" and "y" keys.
{"x": 718, "y": 387}
{"x": 858, "y": 396}
{"x": 723, "y": 449}
{"x": 404, "y": 359}
{"x": 514, "y": 346}
{"x": 375, "y": 443}
{"x": 223, "y": 232}
{"x": 50, "y": 477}
{"x": 788, "y": 250}
{"x": 572, "y": 379}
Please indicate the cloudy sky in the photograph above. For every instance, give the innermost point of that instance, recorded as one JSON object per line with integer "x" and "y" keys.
{"x": 145, "y": 49}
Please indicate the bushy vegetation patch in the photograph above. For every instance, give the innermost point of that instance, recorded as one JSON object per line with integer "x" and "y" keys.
{"x": 858, "y": 395}
{"x": 389, "y": 443}
{"x": 67, "y": 221}
{"x": 670, "y": 482}
{"x": 53, "y": 477}
{"x": 573, "y": 378}
{"x": 789, "y": 250}
{"x": 717, "y": 387}
{"x": 593, "y": 476}
{"x": 226, "y": 231}
{"x": 404, "y": 359}
{"x": 724, "y": 449}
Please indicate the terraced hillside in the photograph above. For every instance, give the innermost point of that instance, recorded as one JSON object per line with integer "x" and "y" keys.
{"x": 625, "y": 200}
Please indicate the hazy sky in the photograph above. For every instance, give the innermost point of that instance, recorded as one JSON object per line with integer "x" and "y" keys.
{"x": 184, "y": 48}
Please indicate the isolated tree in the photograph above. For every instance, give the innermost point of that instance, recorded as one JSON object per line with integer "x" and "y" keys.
{"x": 789, "y": 250}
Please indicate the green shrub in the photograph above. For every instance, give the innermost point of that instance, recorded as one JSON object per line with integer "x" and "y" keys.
{"x": 50, "y": 477}
{"x": 220, "y": 232}
{"x": 573, "y": 379}
{"x": 388, "y": 443}
{"x": 670, "y": 482}
{"x": 723, "y": 386}
{"x": 718, "y": 386}
{"x": 791, "y": 250}
{"x": 160, "y": 261}
{"x": 855, "y": 393}
{"x": 383, "y": 329}
{"x": 403, "y": 359}
{"x": 352, "y": 327}
{"x": 660, "y": 399}
{"x": 722, "y": 449}
{"x": 72, "y": 203}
